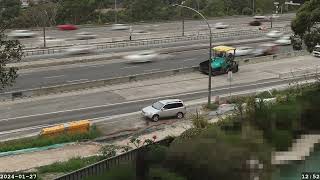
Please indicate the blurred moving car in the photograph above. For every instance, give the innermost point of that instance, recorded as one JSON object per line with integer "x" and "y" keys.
{"x": 265, "y": 49}
{"x": 85, "y": 36}
{"x": 261, "y": 18}
{"x": 274, "y": 34}
{"x": 120, "y": 27}
{"x": 67, "y": 27}
{"x": 80, "y": 49}
{"x": 51, "y": 41}
{"x": 21, "y": 34}
{"x": 221, "y": 25}
{"x": 255, "y": 23}
{"x": 284, "y": 40}
{"x": 316, "y": 51}
{"x": 275, "y": 16}
{"x": 165, "y": 108}
{"x": 143, "y": 56}
{"x": 243, "y": 51}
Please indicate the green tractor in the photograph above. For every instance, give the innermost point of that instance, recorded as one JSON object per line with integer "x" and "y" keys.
{"x": 222, "y": 61}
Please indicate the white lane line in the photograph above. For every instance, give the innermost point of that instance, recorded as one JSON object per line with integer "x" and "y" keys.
{"x": 151, "y": 70}
{"x": 78, "y": 80}
{"x": 193, "y": 59}
{"x": 50, "y": 77}
{"x": 128, "y": 67}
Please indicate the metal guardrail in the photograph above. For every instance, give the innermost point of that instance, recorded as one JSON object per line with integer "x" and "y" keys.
{"x": 164, "y": 40}
{"x": 104, "y": 165}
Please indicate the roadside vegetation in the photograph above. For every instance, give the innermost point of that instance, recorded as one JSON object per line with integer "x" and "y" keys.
{"x": 41, "y": 141}
{"x": 51, "y": 13}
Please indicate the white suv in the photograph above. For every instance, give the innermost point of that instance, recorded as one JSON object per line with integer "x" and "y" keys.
{"x": 165, "y": 108}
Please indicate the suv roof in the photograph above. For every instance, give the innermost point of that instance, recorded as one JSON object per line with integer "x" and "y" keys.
{"x": 166, "y": 101}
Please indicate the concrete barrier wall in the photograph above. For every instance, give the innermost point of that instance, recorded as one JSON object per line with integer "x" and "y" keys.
{"x": 138, "y": 77}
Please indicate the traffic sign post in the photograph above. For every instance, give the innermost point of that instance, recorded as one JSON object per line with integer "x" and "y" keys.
{"x": 230, "y": 80}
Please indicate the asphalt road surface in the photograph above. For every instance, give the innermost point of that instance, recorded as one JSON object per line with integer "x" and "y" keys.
{"x": 21, "y": 115}
{"x": 116, "y": 109}
{"x": 155, "y": 28}
{"x": 110, "y": 69}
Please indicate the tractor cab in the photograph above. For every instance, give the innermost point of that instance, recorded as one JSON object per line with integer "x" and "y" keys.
{"x": 221, "y": 62}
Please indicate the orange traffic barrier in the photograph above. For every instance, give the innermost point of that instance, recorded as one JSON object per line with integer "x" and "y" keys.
{"x": 59, "y": 129}
{"x": 82, "y": 126}
{"x": 78, "y": 126}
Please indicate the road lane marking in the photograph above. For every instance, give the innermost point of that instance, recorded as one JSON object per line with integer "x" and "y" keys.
{"x": 193, "y": 59}
{"x": 128, "y": 67}
{"x": 51, "y": 77}
{"x": 77, "y": 80}
{"x": 148, "y": 70}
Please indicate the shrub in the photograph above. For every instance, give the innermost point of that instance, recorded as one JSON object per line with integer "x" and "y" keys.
{"x": 156, "y": 154}
{"x": 190, "y": 133}
{"x": 281, "y": 139}
{"x": 199, "y": 120}
{"x": 259, "y": 11}
{"x": 247, "y": 11}
{"x": 211, "y": 106}
{"x": 164, "y": 174}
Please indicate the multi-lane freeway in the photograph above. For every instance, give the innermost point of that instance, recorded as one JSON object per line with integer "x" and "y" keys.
{"x": 153, "y": 29}
{"x": 109, "y": 69}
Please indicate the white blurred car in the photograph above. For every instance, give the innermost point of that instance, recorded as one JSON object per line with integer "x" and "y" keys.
{"x": 80, "y": 49}
{"x": 274, "y": 34}
{"x": 284, "y": 40}
{"x": 120, "y": 27}
{"x": 244, "y": 50}
{"x": 51, "y": 41}
{"x": 85, "y": 36}
{"x": 144, "y": 56}
{"x": 316, "y": 51}
{"x": 221, "y": 25}
{"x": 21, "y": 34}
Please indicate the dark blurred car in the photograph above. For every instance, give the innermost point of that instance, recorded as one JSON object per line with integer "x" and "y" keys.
{"x": 67, "y": 27}
{"x": 255, "y": 23}
{"x": 266, "y": 49}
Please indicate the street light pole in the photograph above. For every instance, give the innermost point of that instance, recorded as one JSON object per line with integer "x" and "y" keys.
{"x": 115, "y": 12}
{"x": 254, "y": 12}
{"x": 210, "y": 48}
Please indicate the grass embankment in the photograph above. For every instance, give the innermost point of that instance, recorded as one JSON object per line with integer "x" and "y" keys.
{"x": 41, "y": 141}
{"x": 68, "y": 166}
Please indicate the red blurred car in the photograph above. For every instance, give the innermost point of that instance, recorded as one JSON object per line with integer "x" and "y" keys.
{"x": 67, "y": 27}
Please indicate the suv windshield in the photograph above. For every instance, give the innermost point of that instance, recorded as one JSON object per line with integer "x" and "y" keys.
{"x": 157, "y": 105}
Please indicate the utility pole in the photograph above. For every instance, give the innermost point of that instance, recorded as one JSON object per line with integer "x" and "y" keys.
{"x": 182, "y": 22}
{"x": 44, "y": 36}
{"x": 254, "y": 11}
{"x": 115, "y": 12}
{"x": 210, "y": 47}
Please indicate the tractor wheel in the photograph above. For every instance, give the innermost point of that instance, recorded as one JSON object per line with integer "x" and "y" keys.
{"x": 235, "y": 68}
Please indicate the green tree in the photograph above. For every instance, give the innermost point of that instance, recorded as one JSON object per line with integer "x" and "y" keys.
{"x": 9, "y": 9}
{"x": 76, "y": 11}
{"x": 306, "y": 19}
{"x": 10, "y": 51}
{"x": 215, "y": 154}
